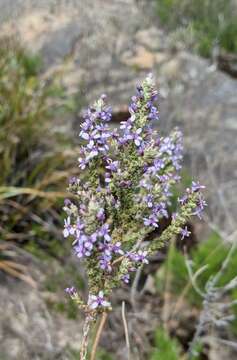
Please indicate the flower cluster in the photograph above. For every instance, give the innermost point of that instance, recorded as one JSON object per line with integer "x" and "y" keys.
{"x": 124, "y": 192}
{"x": 95, "y": 131}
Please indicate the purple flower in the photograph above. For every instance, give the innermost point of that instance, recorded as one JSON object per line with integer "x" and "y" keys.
{"x": 93, "y": 237}
{"x": 154, "y": 114}
{"x": 145, "y": 184}
{"x": 82, "y": 163}
{"x": 126, "y": 125}
{"x": 107, "y": 178}
{"x": 137, "y": 138}
{"x": 73, "y": 180}
{"x": 113, "y": 166}
{"x": 79, "y": 225}
{"x": 151, "y": 221}
{"x": 67, "y": 202}
{"x": 100, "y": 214}
{"x": 156, "y": 167}
{"x": 133, "y": 107}
{"x": 68, "y": 228}
{"x": 184, "y": 233}
{"x": 149, "y": 200}
{"x": 139, "y": 256}
{"x": 104, "y": 232}
{"x": 201, "y": 204}
{"x": 126, "y": 278}
{"x": 160, "y": 210}
{"x": 96, "y": 301}
{"x": 105, "y": 264}
{"x": 196, "y": 186}
{"x": 71, "y": 291}
{"x": 183, "y": 200}
{"x": 116, "y": 248}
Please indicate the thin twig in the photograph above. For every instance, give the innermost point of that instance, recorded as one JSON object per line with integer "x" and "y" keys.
{"x": 126, "y": 330}
{"x": 118, "y": 260}
{"x": 98, "y": 335}
{"x": 85, "y": 339}
{"x": 133, "y": 294}
{"x": 166, "y": 307}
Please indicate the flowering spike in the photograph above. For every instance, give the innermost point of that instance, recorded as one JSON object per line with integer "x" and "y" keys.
{"x": 124, "y": 193}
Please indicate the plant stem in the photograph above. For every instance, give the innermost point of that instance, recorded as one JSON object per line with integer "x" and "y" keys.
{"x": 84, "y": 344}
{"x": 98, "y": 335}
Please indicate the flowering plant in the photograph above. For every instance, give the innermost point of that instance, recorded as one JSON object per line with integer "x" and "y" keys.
{"x": 122, "y": 195}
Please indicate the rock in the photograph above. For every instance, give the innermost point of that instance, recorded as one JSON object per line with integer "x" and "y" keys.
{"x": 161, "y": 57}
{"x": 151, "y": 38}
{"x": 201, "y": 101}
{"x": 143, "y": 59}
{"x": 228, "y": 63}
{"x": 171, "y": 69}
{"x": 28, "y": 329}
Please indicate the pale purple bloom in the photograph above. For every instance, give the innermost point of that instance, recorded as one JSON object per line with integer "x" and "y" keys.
{"x": 79, "y": 250}
{"x": 126, "y": 125}
{"x": 183, "y": 200}
{"x": 79, "y": 225}
{"x": 156, "y": 167}
{"x": 116, "y": 248}
{"x": 96, "y": 301}
{"x": 126, "y": 278}
{"x": 71, "y": 291}
{"x": 82, "y": 163}
{"x": 154, "y": 114}
{"x": 174, "y": 216}
{"x": 68, "y": 228}
{"x": 105, "y": 264}
{"x": 113, "y": 166}
{"x": 196, "y": 186}
{"x": 133, "y": 107}
{"x": 139, "y": 256}
{"x": 149, "y": 200}
{"x": 184, "y": 233}
{"x": 145, "y": 183}
{"x": 67, "y": 202}
{"x": 160, "y": 210}
{"x": 93, "y": 237}
{"x": 137, "y": 138}
{"x": 100, "y": 214}
{"x": 73, "y": 180}
{"x": 151, "y": 221}
{"x": 107, "y": 178}
{"x": 88, "y": 245}
{"x": 104, "y": 232}
{"x": 201, "y": 204}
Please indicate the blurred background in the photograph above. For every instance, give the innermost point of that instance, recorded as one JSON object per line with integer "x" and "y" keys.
{"x": 56, "y": 57}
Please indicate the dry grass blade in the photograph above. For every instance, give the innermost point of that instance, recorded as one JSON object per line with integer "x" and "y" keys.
{"x": 11, "y": 268}
{"x": 12, "y": 191}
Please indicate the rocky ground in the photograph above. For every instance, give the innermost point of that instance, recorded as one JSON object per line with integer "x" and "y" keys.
{"x": 107, "y": 46}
